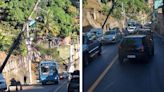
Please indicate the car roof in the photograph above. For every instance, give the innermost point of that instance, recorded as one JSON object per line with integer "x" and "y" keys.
{"x": 135, "y": 36}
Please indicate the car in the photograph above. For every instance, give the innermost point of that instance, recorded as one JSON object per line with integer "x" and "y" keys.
{"x": 91, "y": 47}
{"x": 98, "y": 32}
{"x": 131, "y": 29}
{"x": 135, "y": 47}
{"x": 146, "y": 31}
{"x": 3, "y": 85}
{"x": 73, "y": 85}
{"x": 112, "y": 36}
{"x": 64, "y": 75}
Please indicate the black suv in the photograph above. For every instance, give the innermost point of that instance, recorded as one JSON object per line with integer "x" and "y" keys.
{"x": 146, "y": 31}
{"x": 73, "y": 85}
{"x": 91, "y": 47}
{"x": 136, "y": 47}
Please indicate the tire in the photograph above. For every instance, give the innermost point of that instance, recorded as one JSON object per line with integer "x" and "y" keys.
{"x": 100, "y": 50}
{"x": 153, "y": 52}
{"x": 86, "y": 60}
{"x": 43, "y": 83}
{"x": 121, "y": 59}
{"x": 57, "y": 82}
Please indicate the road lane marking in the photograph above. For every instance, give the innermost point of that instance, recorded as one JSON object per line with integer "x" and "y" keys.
{"x": 91, "y": 89}
{"x": 60, "y": 87}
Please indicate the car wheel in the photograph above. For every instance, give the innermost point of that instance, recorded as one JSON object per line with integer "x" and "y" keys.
{"x": 43, "y": 83}
{"x": 86, "y": 60}
{"x": 121, "y": 59}
{"x": 99, "y": 53}
{"x": 152, "y": 52}
{"x": 57, "y": 82}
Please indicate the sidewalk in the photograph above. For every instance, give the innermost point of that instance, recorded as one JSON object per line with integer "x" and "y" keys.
{"x": 24, "y": 87}
{"x": 160, "y": 36}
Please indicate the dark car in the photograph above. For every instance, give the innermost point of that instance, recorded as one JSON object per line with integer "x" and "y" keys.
{"x": 146, "y": 31}
{"x": 74, "y": 83}
{"x": 91, "y": 47}
{"x": 135, "y": 47}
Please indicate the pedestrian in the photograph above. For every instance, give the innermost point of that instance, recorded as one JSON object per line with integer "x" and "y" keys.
{"x": 25, "y": 79}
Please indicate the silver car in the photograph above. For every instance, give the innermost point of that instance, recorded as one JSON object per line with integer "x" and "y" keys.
{"x": 112, "y": 36}
{"x": 3, "y": 85}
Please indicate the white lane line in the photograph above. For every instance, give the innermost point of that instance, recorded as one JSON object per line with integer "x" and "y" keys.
{"x": 91, "y": 89}
{"x": 56, "y": 90}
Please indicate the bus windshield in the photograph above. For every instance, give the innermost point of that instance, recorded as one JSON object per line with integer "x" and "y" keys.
{"x": 45, "y": 69}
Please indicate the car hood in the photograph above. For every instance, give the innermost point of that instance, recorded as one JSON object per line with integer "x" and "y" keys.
{"x": 109, "y": 36}
{"x": 85, "y": 47}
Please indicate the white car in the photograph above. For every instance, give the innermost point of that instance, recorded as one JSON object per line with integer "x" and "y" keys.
{"x": 131, "y": 29}
{"x": 3, "y": 85}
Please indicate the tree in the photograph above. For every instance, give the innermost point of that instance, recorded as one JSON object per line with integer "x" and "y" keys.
{"x": 132, "y": 8}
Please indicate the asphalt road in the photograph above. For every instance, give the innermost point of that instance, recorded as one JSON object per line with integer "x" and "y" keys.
{"x": 61, "y": 87}
{"x": 106, "y": 74}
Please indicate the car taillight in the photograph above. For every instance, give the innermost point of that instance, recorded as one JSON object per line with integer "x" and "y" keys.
{"x": 119, "y": 47}
{"x": 142, "y": 49}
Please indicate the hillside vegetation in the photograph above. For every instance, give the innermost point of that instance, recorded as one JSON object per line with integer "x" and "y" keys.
{"x": 54, "y": 18}
{"x": 123, "y": 9}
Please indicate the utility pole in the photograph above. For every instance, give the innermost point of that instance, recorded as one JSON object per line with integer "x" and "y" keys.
{"x": 123, "y": 12}
{"x": 71, "y": 66}
{"x": 163, "y": 8}
{"x": 28, "y": 44}
{"x": 110, "y": 11}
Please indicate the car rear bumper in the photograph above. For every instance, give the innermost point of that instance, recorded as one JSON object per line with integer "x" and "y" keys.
{"x": 109, "y": 41}
{"x": 139, "y": 56}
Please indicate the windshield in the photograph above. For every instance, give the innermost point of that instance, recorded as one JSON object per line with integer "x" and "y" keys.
{"x": 45, "y": 69}
{"x": 110, "y": 33}
{"x": 84, "y": 40}
{"x": 48, "y": 69}
{"x": 132, "y": 43}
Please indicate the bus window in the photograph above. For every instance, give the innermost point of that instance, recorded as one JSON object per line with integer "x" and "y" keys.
{"x": 44, "y": 69}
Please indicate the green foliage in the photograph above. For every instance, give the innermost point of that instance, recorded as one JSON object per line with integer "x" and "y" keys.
{"x": 7, "y": 34}
{"x": 48, "y": 51}
{"x": 58, "y": 20}
{"x": 132, "y": 8}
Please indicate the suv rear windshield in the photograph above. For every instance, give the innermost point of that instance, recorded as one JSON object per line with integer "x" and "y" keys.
{"x": 132, "y": 43}
{"x": 112, "y": 32}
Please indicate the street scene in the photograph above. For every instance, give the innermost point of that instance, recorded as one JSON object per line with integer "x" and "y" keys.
{"x": 123, "y": 45}
{"x": 39, "y": 45}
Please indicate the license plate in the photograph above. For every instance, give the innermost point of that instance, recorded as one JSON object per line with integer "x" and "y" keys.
{"x": 131, "y": 56}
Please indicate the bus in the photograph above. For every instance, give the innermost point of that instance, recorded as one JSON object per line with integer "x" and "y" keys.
{"x": 48, "y": 72}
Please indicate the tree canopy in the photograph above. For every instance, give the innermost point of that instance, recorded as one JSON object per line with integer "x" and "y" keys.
{"x": 132, "y": 8}
{"x": 58, "y": 19}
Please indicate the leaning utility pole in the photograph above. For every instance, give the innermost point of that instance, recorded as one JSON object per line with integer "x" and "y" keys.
{"x": 17, "y": 40}
{"x": 123, "y": 13}
{"x": 109, "y": 13}
{"x": 14, "y": 45}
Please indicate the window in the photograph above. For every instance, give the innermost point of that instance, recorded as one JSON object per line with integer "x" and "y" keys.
{"x": 45, "y": 69}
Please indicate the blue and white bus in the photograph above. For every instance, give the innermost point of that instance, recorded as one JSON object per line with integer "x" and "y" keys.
{"x": 48, "y": 72}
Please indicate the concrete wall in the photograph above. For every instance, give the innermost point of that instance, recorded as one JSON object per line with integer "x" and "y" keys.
{"x": 160, "y": 24}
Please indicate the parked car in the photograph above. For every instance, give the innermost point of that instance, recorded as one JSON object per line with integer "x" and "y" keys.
{"x": 112, "y": 36}
{"x": 131, "y": 29}
{"x": 98, "y": 32}
{"x": 91, "y": 47}
{"x": 135, "y": 47}
{"x": 3, "y": 85}
{"x": 64, "y": 75}
{"x": 73, "y": 85}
